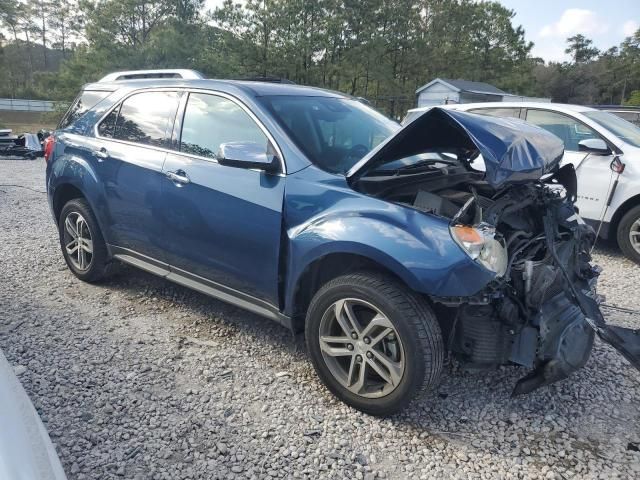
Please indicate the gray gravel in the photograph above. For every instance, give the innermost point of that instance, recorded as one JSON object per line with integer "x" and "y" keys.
{"x": 139, "y": 378}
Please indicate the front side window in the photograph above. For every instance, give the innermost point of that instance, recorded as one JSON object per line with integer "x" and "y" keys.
{"x": 144, "y": 118}
{"x": 211, "y": 120}
{"x": 334, "y": 133}
{"x": 570, "y": 131}
{"x": 498, "y": 112}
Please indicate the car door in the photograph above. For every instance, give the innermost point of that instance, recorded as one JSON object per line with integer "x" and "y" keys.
{"x": 224, "y": 223}
{"x": 593, "y": 171}
{"x": 131, "y": 147}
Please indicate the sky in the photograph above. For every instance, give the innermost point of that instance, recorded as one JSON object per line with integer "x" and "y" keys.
{"x": 548, "y": 23}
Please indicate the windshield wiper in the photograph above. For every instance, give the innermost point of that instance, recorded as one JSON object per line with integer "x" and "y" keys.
{"x": 422, "y": 163}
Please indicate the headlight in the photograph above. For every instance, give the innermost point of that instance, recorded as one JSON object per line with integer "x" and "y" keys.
{"x": 480, "y": 244}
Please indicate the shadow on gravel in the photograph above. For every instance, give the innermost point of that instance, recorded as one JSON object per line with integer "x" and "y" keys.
{"x": 457, "y": 386}
{"x": 608, "y": 247}
{"x": 137, "y": 285}
{"x": 461, "y": 408}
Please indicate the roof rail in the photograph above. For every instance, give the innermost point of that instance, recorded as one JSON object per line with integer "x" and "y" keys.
{"x": 267, "y": 79}
{"x": 161, "y": 73}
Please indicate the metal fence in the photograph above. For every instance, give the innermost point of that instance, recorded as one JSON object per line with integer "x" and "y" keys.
{"x": 21, "y": 105}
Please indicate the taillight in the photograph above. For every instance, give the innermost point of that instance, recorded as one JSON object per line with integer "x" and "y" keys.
{"x": 49, "y": 143}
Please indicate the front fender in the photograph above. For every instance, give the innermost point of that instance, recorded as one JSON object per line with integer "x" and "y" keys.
{"x": 415, "y": 246}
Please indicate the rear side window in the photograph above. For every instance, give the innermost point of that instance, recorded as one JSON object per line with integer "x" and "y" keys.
{"x": 144, "y": 118}
{"x": 210, "y": 120}
{"x": 108, "y": 126}
{"x": 83, "y": 102}
{"x": 498, "y": 112}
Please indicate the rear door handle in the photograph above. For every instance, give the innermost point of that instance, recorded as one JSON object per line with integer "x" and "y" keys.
{"x": 101, "y": 154}
{"x": 179, "y": 176}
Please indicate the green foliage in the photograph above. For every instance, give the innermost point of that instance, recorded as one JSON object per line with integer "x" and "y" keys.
{"x": 380, "y": 49}
{"x": 581, "y": 49}
{"x": 634, "y": 99}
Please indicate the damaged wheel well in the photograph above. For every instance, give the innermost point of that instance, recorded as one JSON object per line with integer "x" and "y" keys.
{"x": 325, "y": 269}
{"x": 63, "y": 194}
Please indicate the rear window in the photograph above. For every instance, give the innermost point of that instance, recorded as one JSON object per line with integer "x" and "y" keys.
{"x": 83, "y": 103}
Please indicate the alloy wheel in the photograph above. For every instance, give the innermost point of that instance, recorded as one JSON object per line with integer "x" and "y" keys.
{"x": 77, "y": 241}
{"x": 634, "y": 235}
{"x": 361, "y": 348}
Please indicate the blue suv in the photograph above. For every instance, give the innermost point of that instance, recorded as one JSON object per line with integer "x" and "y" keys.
{"x": 390, "y": 247}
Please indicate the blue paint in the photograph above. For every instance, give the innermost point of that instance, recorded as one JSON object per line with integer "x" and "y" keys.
{"x": 249, "y": 230}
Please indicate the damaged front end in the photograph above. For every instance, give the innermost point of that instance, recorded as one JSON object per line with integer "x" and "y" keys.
{"x": 516, "y": 217}
{"x": 531, "y": 314}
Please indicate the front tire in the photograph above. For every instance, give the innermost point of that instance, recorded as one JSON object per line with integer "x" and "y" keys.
{"x": 628, "y": 234}
{"x": 374, "y": 343}
{"x": 81, "y": 240}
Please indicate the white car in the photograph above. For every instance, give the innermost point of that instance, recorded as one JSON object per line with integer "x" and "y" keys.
{"x": 26, "y": 452}
{"x": 605, "y": 151}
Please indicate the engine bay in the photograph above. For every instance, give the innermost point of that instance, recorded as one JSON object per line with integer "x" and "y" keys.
{"x": 540, "y": 311}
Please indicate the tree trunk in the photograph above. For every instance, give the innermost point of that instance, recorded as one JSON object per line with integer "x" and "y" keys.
{"x": 43, "y": 16}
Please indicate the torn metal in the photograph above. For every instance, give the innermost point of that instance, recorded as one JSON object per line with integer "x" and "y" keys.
{"x": 516, "y": 218}
{"x": 513, "y": 151}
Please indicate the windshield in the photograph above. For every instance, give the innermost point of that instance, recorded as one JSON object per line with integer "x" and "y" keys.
{"x": 624, "y": 130}
{"x": 334, "y": 133}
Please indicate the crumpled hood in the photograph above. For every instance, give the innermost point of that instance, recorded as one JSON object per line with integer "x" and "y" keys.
{"x": 513, "y": 151}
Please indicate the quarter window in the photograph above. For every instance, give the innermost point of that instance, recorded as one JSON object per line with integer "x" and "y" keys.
{"x": 570, "y": 131}
{"x": 144, "y": 118}
{"x": 81, "y": 105}
{"x": 210, "y": 120}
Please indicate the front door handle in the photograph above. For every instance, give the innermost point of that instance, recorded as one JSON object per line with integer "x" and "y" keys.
{"x": 101, "y": 154}
{"x": 179, "y": 176}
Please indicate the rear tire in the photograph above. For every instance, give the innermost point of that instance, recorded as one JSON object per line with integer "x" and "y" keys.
{"x": 81, "y": 240}
{"x": 628, "y": 234}
{"x": 393, "y": 350}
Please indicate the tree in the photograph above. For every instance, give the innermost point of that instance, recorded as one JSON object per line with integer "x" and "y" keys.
{"x": 382, "y": 50}
{"x": 580, "y": 48}
{"x": 65, "y": 21}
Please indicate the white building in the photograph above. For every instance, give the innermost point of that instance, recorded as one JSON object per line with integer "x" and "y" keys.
{"x": 442, "y": 91}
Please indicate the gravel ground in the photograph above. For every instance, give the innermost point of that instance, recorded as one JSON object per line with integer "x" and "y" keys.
{"x": 140, "y": 378}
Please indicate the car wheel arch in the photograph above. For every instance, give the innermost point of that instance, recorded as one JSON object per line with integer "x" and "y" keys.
{"x": 66, "y": 191}
{"x": 324, "y": 269}
{"x": 63, "y": 194}
{"x": 620, "y": 212}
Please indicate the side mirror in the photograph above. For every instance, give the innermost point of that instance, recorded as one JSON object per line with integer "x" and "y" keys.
{"x": 596, "y": 146}
{"x": 248, "y": 155}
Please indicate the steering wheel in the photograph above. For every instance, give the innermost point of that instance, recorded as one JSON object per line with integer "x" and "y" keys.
{"x": 358, "y": 151}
